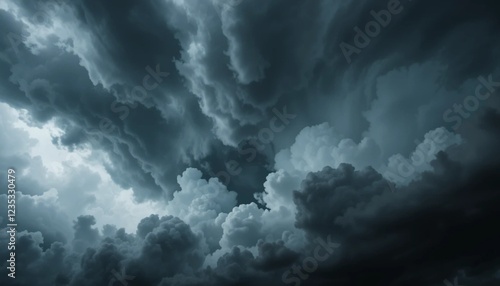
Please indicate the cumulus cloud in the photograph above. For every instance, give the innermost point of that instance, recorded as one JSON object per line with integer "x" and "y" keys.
{"x": 136, "y": 132}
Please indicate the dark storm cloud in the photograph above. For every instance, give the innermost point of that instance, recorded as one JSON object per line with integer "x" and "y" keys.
{"x": 274, "y": 256}
{"x": 287, "y": 53}
{"x": 432, "y": 229}
{"x": 169, "y": 241}
{"x": 85, "y": 235}
{"x": 422, "y": 234}
{"x": 134, "y": 137}
{"x": 243, "y": 169}
{"x": 42, "y": 217}
{"x": 35, "y": 261}
{"x": 97, "y": 264}
{"x": 335, "y": 190}
{"x": 237, "y": 63}
{"x": 169, "y": 253}
{"x": 228, "y": 67}
{"x": 84, "y": 106}
{"x": 140, "y": 138}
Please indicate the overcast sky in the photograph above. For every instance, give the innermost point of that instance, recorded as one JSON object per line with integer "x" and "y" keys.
{"x": 239, "y": 142}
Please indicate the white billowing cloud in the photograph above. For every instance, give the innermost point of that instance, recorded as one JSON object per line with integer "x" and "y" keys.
{"x": 278, "y": 187}
{"x": 279, "y": 224}
{"x": 319, "y": 146}
{"x": 200, "y": 200}
{"x": 210, "y": 209}
{"x": 243, "y": 226}
{"x": 246, "y": 224}
{"x": 202, "y": 204}
{"x": 311, "y": 150}
{"x": 316, "y": 147}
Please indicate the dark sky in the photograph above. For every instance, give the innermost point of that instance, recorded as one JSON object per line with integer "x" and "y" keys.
{"x": 235, "y": 142}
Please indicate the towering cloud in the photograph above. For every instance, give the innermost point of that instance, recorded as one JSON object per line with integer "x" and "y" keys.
{"x": 238, "y": 142}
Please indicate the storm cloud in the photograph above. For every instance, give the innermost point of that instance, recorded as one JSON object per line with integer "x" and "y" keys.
{"x": 224, "y": 142}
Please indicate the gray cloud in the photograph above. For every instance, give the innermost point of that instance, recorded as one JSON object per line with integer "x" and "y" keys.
{"x": 98, "y": 72}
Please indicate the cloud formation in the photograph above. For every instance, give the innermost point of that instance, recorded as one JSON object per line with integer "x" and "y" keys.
{"x": 221, "y": 142}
